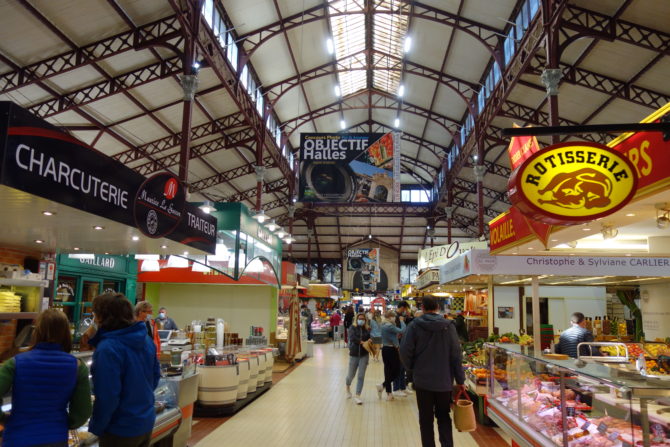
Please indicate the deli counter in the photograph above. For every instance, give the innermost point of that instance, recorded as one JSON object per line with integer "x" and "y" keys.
{"x": 541, "y": 402}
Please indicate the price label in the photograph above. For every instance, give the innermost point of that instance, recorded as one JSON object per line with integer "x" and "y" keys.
{"x": 570, "y": 411}
{"x": 586, "y": 425}
{"x": 613, "y": 436}
{"x": 602, "y": 428}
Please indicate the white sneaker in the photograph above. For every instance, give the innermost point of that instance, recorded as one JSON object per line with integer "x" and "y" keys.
{"x": 348, "y": 392}
{"x": 408, "y": 391}
{"x": 400, "y": 393}
{"x": 358, "y": 401}
{"x": 379, "y": 391}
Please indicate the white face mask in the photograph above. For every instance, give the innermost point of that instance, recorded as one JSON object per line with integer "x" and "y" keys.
{"x": 361, "y": 322}
{"x": 161, "y": 315}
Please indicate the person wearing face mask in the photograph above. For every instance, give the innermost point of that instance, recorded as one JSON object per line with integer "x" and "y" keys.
{"x": 166, "y": 322}
{"x": 143, "y": 311}
{"x": 359, "y": 332}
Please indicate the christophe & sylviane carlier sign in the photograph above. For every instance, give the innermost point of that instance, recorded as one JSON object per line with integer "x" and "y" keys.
{"x": 573, "y": 183}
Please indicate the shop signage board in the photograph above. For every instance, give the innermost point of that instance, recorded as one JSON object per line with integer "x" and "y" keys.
{"x": 427, "y": 278}
{"x": 649, "y": 155}
{"x": 572, "y": 183}
{"x": 481, "y": 262}
{"x": 116, "y": 264}
{"x": 159, "y": 205}
{"x": 436, "y": 256}
{"x": 39, "y": 159}
{"x": 365, "y": 261}
{"x": 345, "y": 167}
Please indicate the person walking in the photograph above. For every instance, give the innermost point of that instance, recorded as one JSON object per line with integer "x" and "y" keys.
{"x": 348, "y": 321}
{"x": 143, "y": 311}
{"x": 359, "y": 332}
{"x": 335, "y": 320}
{"x": 125, "y": 373}
{"x": 400, "y": 382}
{"x": 432, "y": 351}
{"x": 50, "y": 389}
{"x": 376, "y": 334}
{"x": 390, "y": 343}
{"x": 307, "y": 314}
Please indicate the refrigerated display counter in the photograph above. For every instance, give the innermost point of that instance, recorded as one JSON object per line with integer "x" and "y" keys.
{"x": 541, "y": 402}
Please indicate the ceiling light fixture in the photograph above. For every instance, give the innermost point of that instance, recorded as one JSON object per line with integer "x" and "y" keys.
{"x": 396, "y": 123}
{"x": 39, "y": 241}
{"x": 609, "y": 232}
{"x": 163, "y": 246}
{"x": 260, "y": 216}
{"x": 407, "y": 45}
{"x": 136, "y": 238}
{"x": 98, "y": 227}
{"x": 343, "y": 124}
{"x": 207, "y": 207}
{"x": 280, "y": 233}
{"x": 76, "y": 248}
{"x": 662, "y": 215}
{"x": 401, "y": 90}
{"x": 271, "y": 225}
{"x": 48, "y": 213}
{"x": 630, "y": 215}
{"x": 289, "y": 239}
{"x": 330, "y": 46}
{"x": 338, "y": 91}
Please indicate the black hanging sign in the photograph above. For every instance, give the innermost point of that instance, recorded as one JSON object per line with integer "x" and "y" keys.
{"x": 159, "y": 205}
{"x": 38, "y": 158}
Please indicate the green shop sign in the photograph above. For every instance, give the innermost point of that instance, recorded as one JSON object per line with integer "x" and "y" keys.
{"x": 102, "y": 263}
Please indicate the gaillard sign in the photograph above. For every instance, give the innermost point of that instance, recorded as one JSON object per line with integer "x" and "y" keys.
{"x": 572, "y": 183}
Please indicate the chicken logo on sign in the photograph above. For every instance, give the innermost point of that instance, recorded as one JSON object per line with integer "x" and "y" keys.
{"x": 572, "y": 183}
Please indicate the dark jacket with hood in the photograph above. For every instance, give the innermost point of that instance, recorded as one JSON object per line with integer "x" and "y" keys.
{"x": 432, "y": 351}
{"x": 357, "y": 334}
{"x": 125, "y": 373}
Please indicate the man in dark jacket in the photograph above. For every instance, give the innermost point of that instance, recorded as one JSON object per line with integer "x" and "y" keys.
{"x": 431, "y": 350}
{"x": 575, "y": 335}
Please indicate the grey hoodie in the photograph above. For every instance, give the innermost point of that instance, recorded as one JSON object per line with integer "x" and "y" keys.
{"x": 432, "y": 351}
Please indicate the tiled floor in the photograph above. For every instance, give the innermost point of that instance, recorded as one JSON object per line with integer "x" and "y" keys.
{"x": 309, "y": 408}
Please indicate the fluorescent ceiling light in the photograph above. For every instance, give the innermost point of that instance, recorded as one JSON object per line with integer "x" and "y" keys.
{"x": 401, "y": 90}
{"x": 147, "y": 257}
{"x": 343, "y": 124}
{"x": 396, "y": 123}
{"x": 150, "y": 266}
{"x": 177, "y": 262}
{"x": 330, "y": 46}
{"x": 407, "y": 45}
{"x": 81, "y": 256}
{"x": 338, "y": 91}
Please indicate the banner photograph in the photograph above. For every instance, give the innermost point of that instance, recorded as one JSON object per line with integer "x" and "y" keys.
{"x": 339, "y": 167}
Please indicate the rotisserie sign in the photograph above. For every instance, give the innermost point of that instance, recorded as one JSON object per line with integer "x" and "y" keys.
{"x": 573, "y": 183}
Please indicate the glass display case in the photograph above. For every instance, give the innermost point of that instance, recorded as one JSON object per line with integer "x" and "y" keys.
{"x": 542, "y": 402}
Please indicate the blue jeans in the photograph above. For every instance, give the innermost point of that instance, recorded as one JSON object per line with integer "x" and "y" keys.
{"x": 360, "y": 363}
{"x": 399, "y": 382}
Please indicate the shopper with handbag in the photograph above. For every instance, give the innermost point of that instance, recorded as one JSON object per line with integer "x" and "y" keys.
{"x": 432, "y": 351}
{"x": 390, "y": 343}
{"x": 359, "y": 335}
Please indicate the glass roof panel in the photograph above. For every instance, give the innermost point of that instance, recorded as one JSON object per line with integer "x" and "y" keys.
{"x": 389, "y": 27}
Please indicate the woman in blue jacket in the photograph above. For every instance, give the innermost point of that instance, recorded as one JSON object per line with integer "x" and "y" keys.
{"x": 50, "y": 388}
{"x": 390, "y": 356}
{"x": 125, "y": 373}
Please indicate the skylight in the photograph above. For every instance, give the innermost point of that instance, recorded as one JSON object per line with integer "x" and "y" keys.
{"x": 389, "y": 29}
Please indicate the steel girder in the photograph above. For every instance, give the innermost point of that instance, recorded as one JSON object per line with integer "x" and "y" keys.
{"x": 214, "y": 127}
{"x": 159, "y": 32}
{"x": 604, "y": 84}
{"x": 471, "y": 187}
{"x": 487, "y": 35}
{"x": 592, "y": 23}
{"x": 209, "y": 47}
{"x": 460, "y": 86}
{"x": 239, "y": 138}
{"x": 225, "y": 176}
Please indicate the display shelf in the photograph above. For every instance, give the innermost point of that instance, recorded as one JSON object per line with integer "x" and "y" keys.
{"x": 18, "y": 315}
{"x": 23, "y": 282}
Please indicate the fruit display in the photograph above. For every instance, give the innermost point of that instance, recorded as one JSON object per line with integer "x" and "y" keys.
{"x": 614, "y": 351}
{"x": 654, "y": 350}
{"x": 525, "y": 340}
{"x": 634, "y": 350}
